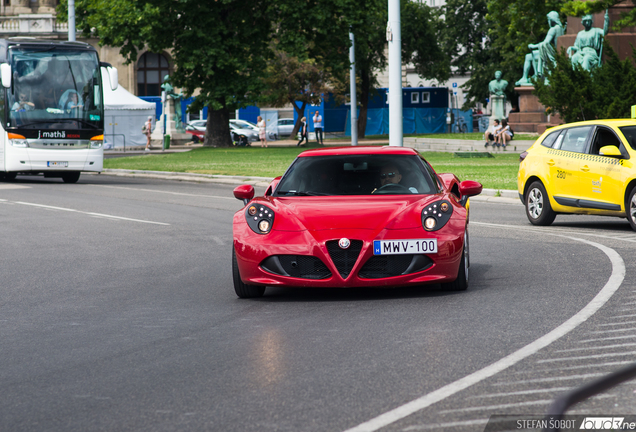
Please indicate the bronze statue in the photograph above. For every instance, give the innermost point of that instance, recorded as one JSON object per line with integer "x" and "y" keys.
{"x": 543, "y": 52}
{"x": 497, "y": 89}
{"x": 588, "y": 46}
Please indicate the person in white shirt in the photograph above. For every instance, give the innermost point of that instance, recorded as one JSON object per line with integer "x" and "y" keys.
{"x": 504, "y": 135}
{"x": 318, "y": 127}
{"x": 491, "y": 133}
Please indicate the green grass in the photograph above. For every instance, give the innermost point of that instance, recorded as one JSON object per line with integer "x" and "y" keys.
{"x": 499, "y": 172}
{"x": 479, "y": 136}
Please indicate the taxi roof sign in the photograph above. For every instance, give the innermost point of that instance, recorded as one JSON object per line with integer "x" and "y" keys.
{"x": 634, "y": 111}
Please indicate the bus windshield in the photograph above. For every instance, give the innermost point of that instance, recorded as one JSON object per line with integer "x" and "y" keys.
{"x": 55, "y": 89}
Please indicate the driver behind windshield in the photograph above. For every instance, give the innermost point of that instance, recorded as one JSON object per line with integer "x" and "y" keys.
{"x": 391, "y": 174}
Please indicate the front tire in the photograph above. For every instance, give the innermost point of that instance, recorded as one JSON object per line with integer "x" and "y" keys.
{"x": 630, "y": 208}
{"x": 71, "y": 177}
{"x": 244, "y": 290}
{"x": 461, "y": 283}
{"x": 538, "y": 208}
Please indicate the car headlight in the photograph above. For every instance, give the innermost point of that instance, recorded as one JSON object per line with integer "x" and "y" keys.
{"x": 260, "y": 218}
{"x": 436, "y": 215}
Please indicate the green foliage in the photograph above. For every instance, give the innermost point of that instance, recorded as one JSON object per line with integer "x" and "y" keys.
{"x": 576, "y": 94}
{"x": 580, "y": 8}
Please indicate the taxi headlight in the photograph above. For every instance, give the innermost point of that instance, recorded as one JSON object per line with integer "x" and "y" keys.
{"x": 19, "y": 143}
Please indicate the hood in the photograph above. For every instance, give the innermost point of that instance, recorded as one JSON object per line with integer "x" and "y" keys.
{"x": 347, "y": 212}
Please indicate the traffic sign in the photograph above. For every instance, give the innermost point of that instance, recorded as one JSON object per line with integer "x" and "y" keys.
{"x": 454, "y": 84}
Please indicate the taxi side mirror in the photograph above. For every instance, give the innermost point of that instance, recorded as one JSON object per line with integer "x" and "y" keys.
{"x": 611, "y": 151}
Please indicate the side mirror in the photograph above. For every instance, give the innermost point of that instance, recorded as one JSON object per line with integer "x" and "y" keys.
{"x": 244, "y": 193}
{"x": 610, "y": 150}
{"x": 469, "y": 188}
{"x": 114, "y": 78}
{"x": 5, "y": 74}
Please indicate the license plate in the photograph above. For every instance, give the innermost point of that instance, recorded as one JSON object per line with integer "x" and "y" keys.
{"x": 57, "y": 164}
{"x": 396, "y": 247}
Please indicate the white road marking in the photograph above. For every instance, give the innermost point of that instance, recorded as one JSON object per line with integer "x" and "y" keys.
{"x": 617, "y": 323}
{"x": 551, "y": 379}
{"x": 593, "y": 348}
{"x": 89, "y": 213}
{"x": 613, "y": 283}
{"x": 508, "y": 405}
{"x": 446, "y": 425}
{"x": 13, "y": 186}
{"x": 625, "y": 316}
{"x": 166, "y": 192}
{"x": 611, "y": 331}
{"x": 585, "y": 366}
{"x": 552, "y": 360}
{"x": 521, "y": 392}
{"x": 608, "y": 338}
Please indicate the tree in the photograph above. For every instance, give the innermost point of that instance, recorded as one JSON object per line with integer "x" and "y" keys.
{"x": 577, "y": 94}
{"x": 580, "y": 8}
{"x": 218, "y": 47}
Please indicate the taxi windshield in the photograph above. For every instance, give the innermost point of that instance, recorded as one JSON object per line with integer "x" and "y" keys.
{"x": 356, "y": 175}
{"x": 630, "y": 135}
{"x": 55, "y": 89}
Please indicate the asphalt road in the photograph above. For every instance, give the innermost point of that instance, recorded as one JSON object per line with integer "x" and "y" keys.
{"x": 118, "y": 314}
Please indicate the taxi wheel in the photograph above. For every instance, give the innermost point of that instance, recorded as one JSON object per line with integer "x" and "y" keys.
{"x": 461, "y": 283}
{"x": 630, "y": 207}
{"x": 244, "y": 290}
{"x": 538, "y": 207}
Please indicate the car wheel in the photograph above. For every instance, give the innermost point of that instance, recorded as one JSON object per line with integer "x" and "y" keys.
{"x": 461, "y": 283}
{"x": 72, "y": 177}
{"x": 630, "y": 208}
{"x": 538, "y": 208}
{"x": 244, "y": 290}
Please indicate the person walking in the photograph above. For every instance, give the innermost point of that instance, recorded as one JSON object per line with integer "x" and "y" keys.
{"x": 303, "y": 131}
{"x": 147, "y": 129}
{"x": 318, "y": 128}
{"x": 262, "y": 131}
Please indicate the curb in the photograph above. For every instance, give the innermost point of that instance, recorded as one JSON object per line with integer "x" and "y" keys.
{"x": 489, "y": 195}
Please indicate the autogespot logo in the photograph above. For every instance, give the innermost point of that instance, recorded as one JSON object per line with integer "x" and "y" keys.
{"x": 602, "y": 423}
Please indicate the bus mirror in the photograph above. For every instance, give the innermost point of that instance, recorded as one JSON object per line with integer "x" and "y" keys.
{"x": 5, "y": 74}
{"x": 114, "y": 78}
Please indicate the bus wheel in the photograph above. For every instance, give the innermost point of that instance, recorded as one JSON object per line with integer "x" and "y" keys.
{"x": 71, "y": 177}
{"x": 8, "y": 176}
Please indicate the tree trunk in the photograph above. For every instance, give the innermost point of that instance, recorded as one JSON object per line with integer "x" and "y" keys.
{"x": 217, "y": 129}
{"x": 365, "y": 83}
{"x": 301, "y": 113}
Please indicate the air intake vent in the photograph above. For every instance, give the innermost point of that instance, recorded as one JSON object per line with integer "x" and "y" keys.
{"x": 344, "y": 259}
{"x": 382, "y": 266}
{"x": 298, "y": 266}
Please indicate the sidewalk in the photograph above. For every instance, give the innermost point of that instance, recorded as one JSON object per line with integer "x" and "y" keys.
{"x": 488, "y": 195}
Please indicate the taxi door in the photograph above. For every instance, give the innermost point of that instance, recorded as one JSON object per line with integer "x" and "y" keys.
{"x": 564, "y": 161}
{"x": 603, "y": 177}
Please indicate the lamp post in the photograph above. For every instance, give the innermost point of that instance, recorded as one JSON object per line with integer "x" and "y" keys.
{"x": 352, "y": 90}
{"x": 394, "y": 38}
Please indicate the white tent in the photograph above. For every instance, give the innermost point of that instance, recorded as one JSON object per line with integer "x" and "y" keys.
{"x": 124, "y": 116}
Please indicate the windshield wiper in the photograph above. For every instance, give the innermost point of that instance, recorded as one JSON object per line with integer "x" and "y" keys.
{"x": 59, "y": 121}
{"x": 303, "y": 193}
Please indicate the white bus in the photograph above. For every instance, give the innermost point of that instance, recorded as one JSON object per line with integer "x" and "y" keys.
{"x": 51, "y": 108}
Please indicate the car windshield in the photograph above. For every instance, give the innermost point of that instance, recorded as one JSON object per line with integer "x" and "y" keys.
{"x": 356, "y": 175}
{"x": 244, "y": 124}
{"x": 53, "y": 89}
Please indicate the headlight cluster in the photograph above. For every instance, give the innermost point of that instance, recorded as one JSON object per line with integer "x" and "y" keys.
{"x": 436, "y": 215}
{"x": 19, "y": 142}
{"x": 260, "y": 218}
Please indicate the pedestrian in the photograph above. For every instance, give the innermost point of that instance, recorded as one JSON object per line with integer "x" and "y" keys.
{"x": 303, "y": 131}
{"x": 505, "y": 134}
{"x": 147, "y": 129}
{"x": 262, "y": 131}
{"x": 318, "y": 128}
{"x": 491, "y": 134}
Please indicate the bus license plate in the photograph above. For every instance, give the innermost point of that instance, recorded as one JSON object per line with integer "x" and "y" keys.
{"x": 57, "y": 164}
{"x": 396, "y": 247}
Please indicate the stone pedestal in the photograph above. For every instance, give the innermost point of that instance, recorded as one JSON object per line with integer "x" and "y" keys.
{"x": 531, "y": 116}
{"x": 498, "y": 107}
{"x": 167, "y": 116}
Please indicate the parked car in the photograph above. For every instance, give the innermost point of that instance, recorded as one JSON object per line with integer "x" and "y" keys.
{"x": 198, "y": 125}
{"x": 285, "y": 127}
{"x": 237, "y": 139}
{"x": 353, "y": 217}
{"x": 247, "y": 132}
{"x": 580, "y": 168}
{"x": 244, "y": 124}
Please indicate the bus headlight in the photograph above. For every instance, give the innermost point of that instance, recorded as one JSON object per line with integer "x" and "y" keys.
{"x": 96, "y": 144}
{"x": 19, "y": 143}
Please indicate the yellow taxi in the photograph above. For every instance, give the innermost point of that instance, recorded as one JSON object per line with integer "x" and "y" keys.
{"x": 581, "y": 168}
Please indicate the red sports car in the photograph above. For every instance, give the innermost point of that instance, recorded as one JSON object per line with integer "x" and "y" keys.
{"x": 354, "y": 217}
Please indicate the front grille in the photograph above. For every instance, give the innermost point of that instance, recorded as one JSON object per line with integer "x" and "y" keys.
{"x": 382, "y": 266}
{"x": 298, "y": 266}
{"x": 344, "y": 259}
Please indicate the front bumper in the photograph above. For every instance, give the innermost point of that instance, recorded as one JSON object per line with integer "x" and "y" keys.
{"x": 253, "y": 250}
